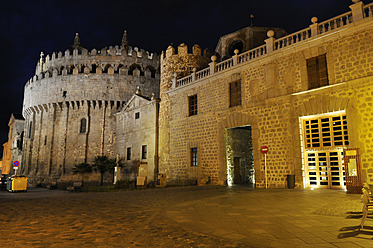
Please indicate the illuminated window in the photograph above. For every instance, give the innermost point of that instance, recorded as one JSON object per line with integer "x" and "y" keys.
{"x": 83, "y": 125}
{"x": 317, "y": 72}
{"x": 194, "y": 157}
{"x": 235, "y": 93}
{"x": 326, "y": 131}
{"x": 144, "y": 152}
{"x": 193, "y": 108}
{"x": 128, "y": 153}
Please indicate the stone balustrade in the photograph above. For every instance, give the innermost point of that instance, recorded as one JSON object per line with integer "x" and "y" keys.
{"x": 358, "y": 12}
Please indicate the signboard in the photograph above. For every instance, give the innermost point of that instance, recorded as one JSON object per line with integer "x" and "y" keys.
{"x": 264, "y": 149}
{"x": 16, "y": 163}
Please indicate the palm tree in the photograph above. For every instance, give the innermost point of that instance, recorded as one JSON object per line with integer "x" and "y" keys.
{"x": 82, "y": 169}
{"x": 104, "y": 164}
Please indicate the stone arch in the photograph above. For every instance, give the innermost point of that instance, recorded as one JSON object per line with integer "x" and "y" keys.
{"x": 236, "y": 120}
{"x": 321, "y": 104}
{"x": 134, "y": 67}
{"x": 151, "y": 69}
{"x": 318, "y": 105}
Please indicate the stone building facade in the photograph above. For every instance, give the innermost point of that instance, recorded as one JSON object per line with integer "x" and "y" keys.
{"x": 306, "y": 96}
{"x": 137, "y": 136}
{"x": 69, "y": 105}
{"x": 13, "y": 147}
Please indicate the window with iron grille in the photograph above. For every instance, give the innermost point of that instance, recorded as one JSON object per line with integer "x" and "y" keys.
{"x": 144, "y": 152}
{"x": 317, "y": 72}
{"x": 235, "y": 93}
{"x": 193, "y": 107}
{"x": 326, "y": 131}
{"x": 193, "y": 156}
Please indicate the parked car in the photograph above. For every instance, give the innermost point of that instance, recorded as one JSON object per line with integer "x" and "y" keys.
{"x": 3, "y": 183}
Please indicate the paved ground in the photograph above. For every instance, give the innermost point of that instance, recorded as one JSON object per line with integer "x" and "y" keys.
{"x": 183, "y": 217}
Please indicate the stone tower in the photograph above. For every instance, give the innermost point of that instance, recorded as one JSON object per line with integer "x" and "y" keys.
{"x": 174, "y": 66}
{"x": 69, "y": 105}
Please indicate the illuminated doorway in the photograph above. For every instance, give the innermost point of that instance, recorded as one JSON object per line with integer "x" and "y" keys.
{"x": 324, "y": 138}
{"x": 239, "y": 155}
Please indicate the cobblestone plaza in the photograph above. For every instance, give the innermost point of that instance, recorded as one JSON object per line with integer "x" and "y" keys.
{"x": 209, "y": 216}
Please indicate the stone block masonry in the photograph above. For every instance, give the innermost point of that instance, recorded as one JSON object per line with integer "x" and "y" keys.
{"x": 69, "y": 106}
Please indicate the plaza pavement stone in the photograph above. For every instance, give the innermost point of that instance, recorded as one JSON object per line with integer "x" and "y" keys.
{"x": 209, "y": 216}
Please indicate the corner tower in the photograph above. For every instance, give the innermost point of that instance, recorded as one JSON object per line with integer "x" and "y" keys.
{"x": 173, "y": 66}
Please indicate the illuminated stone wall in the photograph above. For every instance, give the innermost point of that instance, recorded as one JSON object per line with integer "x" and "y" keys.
{"x": 274, "y": 95}
{"x": 134, "y": 132}
{"x": 181, "y": 63}
{"x": 13, "y": 148}
{"x": 73, "y": 85}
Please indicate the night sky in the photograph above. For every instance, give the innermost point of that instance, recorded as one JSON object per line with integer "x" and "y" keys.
{"x": 28, "y": 27}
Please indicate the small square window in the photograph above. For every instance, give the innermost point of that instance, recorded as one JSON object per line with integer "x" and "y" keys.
{"x": 144, "y": 152}
{"x": 193, "y": 157}
{"x": 128, "y": 153}
{"x": 137, "y": 115}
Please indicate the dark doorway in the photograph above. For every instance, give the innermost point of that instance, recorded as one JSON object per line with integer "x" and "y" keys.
{"x": 239, "y": 152}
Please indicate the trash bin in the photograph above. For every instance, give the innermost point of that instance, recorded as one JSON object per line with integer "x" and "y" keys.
{"x": 291, "y": 181}
{"x": 17, "y": 183}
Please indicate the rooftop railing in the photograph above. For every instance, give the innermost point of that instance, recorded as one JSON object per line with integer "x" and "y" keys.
{"x": 358, "y": 12}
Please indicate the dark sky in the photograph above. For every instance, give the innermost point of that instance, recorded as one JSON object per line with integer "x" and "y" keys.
{"x": 28, "y": 27}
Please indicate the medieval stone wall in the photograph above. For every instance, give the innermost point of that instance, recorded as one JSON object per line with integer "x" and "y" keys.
{"x": 69, "y": 88}
{"x": 172, "y": 65}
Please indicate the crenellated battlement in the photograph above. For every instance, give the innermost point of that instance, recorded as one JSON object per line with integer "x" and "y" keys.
{"x": 97, "y": 61}
{"x": 182, "y": 50}
{"x": 109, "y": 74}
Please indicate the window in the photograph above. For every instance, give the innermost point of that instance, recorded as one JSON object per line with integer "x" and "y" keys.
{"x": 235, "y": 94}
{"x": 128, "y": 153}
{"x": 192, "y": 105}
{"x": 317, "y": 72}
{"x": 83, "y": 125}
{"x": 193, "y": 156}
{"x": 144, "y": 152}
{"x": 137, "y": 115}
{"x": 45, "y": 140}
{"x": 30, "y": 130}
{"x": 326, "y": 131}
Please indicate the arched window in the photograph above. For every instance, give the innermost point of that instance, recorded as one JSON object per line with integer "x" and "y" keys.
{"x": 237, "y": 44}
{"x": 83, "y": 125}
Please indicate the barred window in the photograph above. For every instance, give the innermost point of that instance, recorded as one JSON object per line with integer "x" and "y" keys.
{"x": 194, "y": 157}
{"x": 193, "y": 107}
{"x": 317, "y": 72}
{"x": 326, "y": 131}
{"x": 235, "y": 93}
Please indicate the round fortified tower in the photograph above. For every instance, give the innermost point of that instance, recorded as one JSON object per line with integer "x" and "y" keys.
{"x": 69, "y": 106}
{"x": 175, "y": 66}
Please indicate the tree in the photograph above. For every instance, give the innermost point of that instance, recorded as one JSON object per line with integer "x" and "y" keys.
{"x": 104, "y": 164}
{"x": 82, "y": 168}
